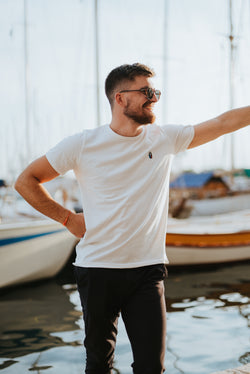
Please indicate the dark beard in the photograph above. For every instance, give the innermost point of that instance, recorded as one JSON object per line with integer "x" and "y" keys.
{"x": 142, "y": 119}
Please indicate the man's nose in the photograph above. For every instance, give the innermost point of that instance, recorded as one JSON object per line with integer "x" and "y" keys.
{"x": 154, "y": 98}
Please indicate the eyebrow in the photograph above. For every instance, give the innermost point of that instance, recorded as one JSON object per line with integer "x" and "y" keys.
{"x": 144, "y": 88}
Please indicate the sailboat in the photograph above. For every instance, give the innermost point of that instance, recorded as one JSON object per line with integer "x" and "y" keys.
{"x": 215, "y": 238}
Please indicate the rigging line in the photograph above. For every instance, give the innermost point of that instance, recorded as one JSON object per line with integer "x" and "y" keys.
{"x": 231, "y": 79}
{"x": 238, "y": 32}
{"x": 241, "y": 74}
{"x": 239, "y": 29}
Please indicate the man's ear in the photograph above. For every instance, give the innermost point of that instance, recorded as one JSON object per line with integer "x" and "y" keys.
{"x": 119, "y": 99}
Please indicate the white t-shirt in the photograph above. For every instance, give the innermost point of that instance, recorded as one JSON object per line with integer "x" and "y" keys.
{"x": 124, "y": 183}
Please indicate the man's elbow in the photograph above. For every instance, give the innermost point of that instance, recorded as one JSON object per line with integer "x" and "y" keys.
{"x": 19, "y": 183}
{"x": 16, "y": 185}
{"x": 24, "y": 182}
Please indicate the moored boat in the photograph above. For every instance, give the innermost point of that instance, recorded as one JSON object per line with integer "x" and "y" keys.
{"x": 205, "y": 240}
{"x": 32, "y": 250}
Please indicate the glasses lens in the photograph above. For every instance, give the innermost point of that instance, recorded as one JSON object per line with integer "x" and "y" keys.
{"x": 158, "y": 94}
{"x": 150, "y": 93}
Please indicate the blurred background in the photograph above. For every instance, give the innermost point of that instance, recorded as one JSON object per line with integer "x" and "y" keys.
{"x": 55, "y": 56}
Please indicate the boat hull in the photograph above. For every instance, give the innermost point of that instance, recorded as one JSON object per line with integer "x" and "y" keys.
{"x": 206, "y": 255}
{"x": 209, "y": 239}
{"x": 191, "y": 249}
{"x": 33, "y": 250}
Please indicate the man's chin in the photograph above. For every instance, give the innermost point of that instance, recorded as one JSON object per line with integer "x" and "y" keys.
{"x": 146, "y": 120}
{"x": 149, "y": 116}
{"x": 150, "y": 119}
{"x": 143, "y": 119}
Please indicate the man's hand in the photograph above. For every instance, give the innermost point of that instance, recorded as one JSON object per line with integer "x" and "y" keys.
{"x": 76, "y": 224}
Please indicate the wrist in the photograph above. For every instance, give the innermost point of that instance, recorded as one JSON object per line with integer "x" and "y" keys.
{"x": 64, "y": 223}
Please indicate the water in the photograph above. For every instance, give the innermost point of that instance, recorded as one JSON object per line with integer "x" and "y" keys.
{"x": 208, "y": 324}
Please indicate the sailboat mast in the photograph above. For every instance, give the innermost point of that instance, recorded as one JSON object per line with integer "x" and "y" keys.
{"x": 165, "y": 33}
{"x": 26, "y": 85}
{"x": 231, "y": 76}
{"x": 96, "y": 24}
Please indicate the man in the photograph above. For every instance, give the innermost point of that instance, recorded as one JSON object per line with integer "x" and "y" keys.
{"x": 123, "y": 171}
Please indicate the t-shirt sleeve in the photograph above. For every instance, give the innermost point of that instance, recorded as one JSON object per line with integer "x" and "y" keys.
{"x": 65, "y": 155}
{"x": 178, "y": 137}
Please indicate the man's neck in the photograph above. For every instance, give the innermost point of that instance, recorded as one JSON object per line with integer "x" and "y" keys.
{"x": 126, "y": 128}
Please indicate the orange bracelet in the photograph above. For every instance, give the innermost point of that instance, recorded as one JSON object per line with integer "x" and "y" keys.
{"x": 66, "y": 219}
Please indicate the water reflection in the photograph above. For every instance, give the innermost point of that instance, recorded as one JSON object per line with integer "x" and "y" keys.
{"x": 38, "y": 369}
{"x": 32, "y": 319}
{"x": 208, "y": 333}
{"x": 208, "y": 315}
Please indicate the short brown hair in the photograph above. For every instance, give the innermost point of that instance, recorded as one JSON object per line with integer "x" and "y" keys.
{"x": 122, "y": 73}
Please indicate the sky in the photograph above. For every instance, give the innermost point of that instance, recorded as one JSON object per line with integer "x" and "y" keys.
{"x": 191, "y": 58}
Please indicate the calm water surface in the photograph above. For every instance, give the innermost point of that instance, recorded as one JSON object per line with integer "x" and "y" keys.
{"x": 208, "y": 324}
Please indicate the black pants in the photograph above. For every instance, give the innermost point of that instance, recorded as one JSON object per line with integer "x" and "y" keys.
{"x": 138, "y": 294}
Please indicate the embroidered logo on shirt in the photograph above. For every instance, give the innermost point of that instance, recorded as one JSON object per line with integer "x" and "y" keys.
{"x": 150, "y": 155}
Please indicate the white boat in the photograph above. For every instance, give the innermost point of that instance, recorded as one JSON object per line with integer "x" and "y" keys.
{"x": 206, "y": 240}
{"x": 32, "y": 250}
{"x": 220, "y": 205}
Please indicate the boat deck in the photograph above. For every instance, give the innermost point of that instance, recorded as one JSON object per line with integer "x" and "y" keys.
{"x": 232, "y": 222}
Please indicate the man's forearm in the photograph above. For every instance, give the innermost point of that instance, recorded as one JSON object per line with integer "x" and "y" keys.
{"x": 37, "y": 196}
{"x": 29, "y": 185}
{"x": 234, "y": 119}
{"x": 223, "y": 124}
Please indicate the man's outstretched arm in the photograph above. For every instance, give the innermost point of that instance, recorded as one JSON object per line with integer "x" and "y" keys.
{"x": 29, "y": 185}
{"x": 224, "y": 124}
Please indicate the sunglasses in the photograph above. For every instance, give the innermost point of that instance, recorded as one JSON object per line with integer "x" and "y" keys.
{"x": 148, "y": 92}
